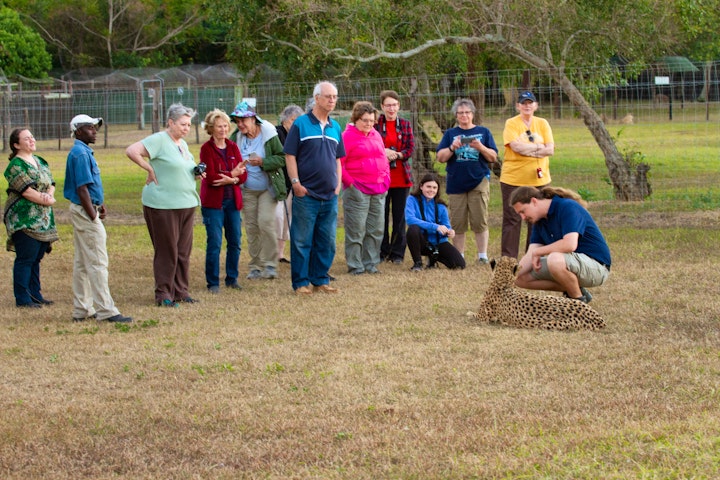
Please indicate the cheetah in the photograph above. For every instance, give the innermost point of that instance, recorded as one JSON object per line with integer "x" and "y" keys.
{"x": 505, "y": 304}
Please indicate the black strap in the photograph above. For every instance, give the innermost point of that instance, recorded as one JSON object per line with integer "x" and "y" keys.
{"x": 418, "y": 198}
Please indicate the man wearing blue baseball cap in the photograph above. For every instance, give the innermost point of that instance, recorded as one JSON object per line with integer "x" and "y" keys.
{"x": 529, "y": 144}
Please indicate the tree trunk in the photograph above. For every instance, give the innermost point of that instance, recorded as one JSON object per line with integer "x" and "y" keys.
{"x": 629, "y": 178}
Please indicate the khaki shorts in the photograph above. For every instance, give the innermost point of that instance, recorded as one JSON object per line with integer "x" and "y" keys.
{"x": 590, "y": 273}
{"x": 472, "y": 205}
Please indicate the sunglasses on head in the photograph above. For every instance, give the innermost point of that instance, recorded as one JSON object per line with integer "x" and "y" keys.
{"x": 529, "y": 135}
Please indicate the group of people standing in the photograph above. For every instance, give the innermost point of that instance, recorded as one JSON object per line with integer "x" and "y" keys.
{"x": 565, "y": 252}
{"x": 30, "y": 222}
{"x": 470, "y": 153}
{"x": 286, "y": 180}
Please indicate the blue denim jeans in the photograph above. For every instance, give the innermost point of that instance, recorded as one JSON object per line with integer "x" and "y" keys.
{"x": 214, "y": 220}
{"x": 312, "y": 240}
{"x": 26, "y": 270}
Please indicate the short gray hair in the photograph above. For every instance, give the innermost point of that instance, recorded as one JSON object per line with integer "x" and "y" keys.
{"x": 318, "y": 88}
{"x": 290, "y": 111}
{"x": 177, "y": 110}
{"x": 463, "y": 102}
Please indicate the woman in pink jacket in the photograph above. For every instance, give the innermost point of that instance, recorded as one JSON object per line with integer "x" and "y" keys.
{"x": 366, "y": 180}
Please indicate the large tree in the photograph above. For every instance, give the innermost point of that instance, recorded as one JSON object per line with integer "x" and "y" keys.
{"x": 284, "y": 36}
{"x": 22, "y": 50}
{"x": 114, "y": 33}
{"x": 550, "y": 36}
{"x": 698, "y": 21}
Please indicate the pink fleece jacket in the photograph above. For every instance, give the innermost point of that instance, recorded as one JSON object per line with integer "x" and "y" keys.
{"x": 365, "y": 165}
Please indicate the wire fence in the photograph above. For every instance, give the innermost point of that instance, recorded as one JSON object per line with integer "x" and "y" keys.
{"x": 140, "y": 97}
{"x": 136, "y": 100}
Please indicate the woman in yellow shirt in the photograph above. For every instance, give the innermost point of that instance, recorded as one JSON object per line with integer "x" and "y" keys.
{"x": 529, "y": 145}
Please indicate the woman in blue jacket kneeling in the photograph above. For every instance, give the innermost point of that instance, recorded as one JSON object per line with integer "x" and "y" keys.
{"x": 429, "y": 227}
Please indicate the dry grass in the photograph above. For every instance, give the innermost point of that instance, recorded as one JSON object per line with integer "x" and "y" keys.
{"x": 388, "y": 379}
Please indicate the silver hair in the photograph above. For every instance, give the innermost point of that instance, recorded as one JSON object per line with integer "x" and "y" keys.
{"x": 290, "y": 111}
{"x": 463, "y": 101}
{"x": 310, "y": 104}
{"x": 318, "y": 88}
{"x": 177, "y": 110}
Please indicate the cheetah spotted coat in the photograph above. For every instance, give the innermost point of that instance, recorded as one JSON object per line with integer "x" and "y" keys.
{"x": 505, "y": 304}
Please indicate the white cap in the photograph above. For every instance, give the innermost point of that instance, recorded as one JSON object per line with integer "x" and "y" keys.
{"x": 80, "y": 120}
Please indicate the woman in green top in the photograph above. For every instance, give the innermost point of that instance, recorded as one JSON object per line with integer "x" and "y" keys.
{"x": 169, "y": 201}
{"x": 28, "y": 217}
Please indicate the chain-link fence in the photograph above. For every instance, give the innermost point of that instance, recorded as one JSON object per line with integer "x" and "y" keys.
{"x": 139, "y": 97}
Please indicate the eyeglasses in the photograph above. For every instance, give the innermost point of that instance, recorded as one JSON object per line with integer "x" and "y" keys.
{"x": 391, "y": 105}
{"x": 330, "y": 97}
{"x": 465, "y": 112}
{"x": 529, "y": 135}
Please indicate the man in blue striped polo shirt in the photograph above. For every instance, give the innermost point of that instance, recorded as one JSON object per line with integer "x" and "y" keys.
{"x": 313, "y": 149}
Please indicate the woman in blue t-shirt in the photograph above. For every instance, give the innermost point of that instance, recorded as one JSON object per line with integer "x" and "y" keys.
{"x": 468, "y": 149}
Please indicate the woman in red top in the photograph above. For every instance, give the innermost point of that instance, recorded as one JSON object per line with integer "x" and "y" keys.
{"x": 399, "y": 143}
{"x": 221, "y": 199}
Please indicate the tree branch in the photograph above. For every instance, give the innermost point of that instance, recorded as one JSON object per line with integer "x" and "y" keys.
{"x": 282, "y": 42}
{"x": 55, "y": 41}
{"x": 449, "y": 40}
{"x": 191, "y": 21}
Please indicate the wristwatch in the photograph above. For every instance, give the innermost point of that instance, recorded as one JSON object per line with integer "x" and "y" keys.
{"x": 294, "y": 180}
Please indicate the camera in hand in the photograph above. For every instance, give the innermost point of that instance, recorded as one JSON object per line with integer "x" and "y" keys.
{"x": 393, "y": 163}
{"x": 199, "y": 168}
{"x": 466, "y": 140}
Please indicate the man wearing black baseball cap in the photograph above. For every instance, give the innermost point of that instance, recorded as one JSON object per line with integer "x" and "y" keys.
{"x": 83, "y": 188}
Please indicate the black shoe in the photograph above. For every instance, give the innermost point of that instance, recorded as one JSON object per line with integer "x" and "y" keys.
{"x": 188, "y": 300}
{"x": 214, "y": 289}
{"x": 235, "y": 286}
{"x": 417, "y": 267}
{"x": 397, "y": 261}
{"x": 41, "y": 301}
{"x": 284, "y": 260}
{"x": 82, "y": 319}
{"x": 331, "y": 278}
{"x": 118, "y": 319}
{"x": 28, "y": 305}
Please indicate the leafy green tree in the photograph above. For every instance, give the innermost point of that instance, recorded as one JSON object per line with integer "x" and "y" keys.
{"x": 285, "y": 35}
{"x": 115, "y": 33}
{"x": 550, "y": 36}
{"x": 699, "y": 20}
{"x": 22, "y": 50}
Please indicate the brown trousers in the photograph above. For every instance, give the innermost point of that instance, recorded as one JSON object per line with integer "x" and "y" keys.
{"x": 511, "y": 225}
{"x": 171, "y": 233}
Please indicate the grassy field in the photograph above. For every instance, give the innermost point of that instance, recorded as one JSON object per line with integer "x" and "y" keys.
{"x": 390, "y": 378}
